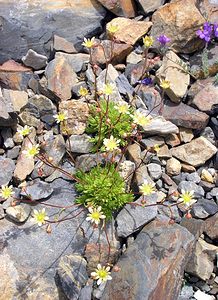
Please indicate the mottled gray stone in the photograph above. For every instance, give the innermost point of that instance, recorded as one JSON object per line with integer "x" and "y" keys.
{"x": 194, "y": 177}
{"x": 123, "y": 85}
{"x": 191, "y": 186}
{"x": 34, "y": 60}
{"x": 37, "y": 190}
{"x": 155, "y": 171}
{"x": 8, "y": 166}
{"x": 18, "y": 213}
{"x": 204, "y": 208}
{"x": 79, "y": 143}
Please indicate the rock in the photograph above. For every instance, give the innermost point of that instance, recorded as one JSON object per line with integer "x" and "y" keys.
{"x": 209, "y": 8}
{"x": 172, "y": 71}
{"x": 211, "y": 229}
{"x": 184, "y": 115}
{"x": 209, "y": 134}
{"x": 27, "y": 118}
{"x": 211, "y": 65}
{"x": 195, "y": 153}
{"x": 134, "y": 153}
{"x": 66, "y": 166}
{"x": 152, "y": 141}
{"x": 32, "y": 25}
{"x": 87, "y": 161}
{"x": 191, "y": 186}
{"x": 8, "y": 166}
{"x": 126, "y": 171}
{"x": 201, "y": 261}
{"x": 14, "y": 76}
{"x": 18, "y": 213}
{"x": 154, "y": 171}
{"x": 132, "y": 217}
{"x": 7, "y": 137}
{"x": 206, "y": 99}
{"x": 120, "y": 8}
{"x": 72, "y": 275}
{"x": 173, "y": 140}
{"x": 185, "y": 134}
{"x": 76, "y": 61}
{"x": 17, "y": 98}
{"x": 179, "y": 20}
{"x": 61, "y": 44}
{"x": 199, "y": 295}
{"x": 102, "y": 52}
{"x": 173, "y": 167}
{"x": 129, "y": 31}
{"x": 37, "y": 190}
{"x": 79, "y": 143}
{"x": 206, "y": 176}
{"x": 195, "y": 226}
{"x": 14, "y": 152}
{"x": 149, "y": 6}
{"x": 187, "y": 168}
{"x": 204, "y": 208}
{"x": 133, "y": 58}
{"x": 34, "y": 60}
{"x": 194, "y": 177}
{"x": 164, "y": 152}
{"x": 123, "y": 85}
{"x": 78, "y": 112}
{"x": 25, "y": 165}
{"x": 7, "y": 114}
{"x": 186, "y": 292}
{"x": 61, "y": 77}
{"x": 160, "y": 126}
{"x": 157, "y": 261}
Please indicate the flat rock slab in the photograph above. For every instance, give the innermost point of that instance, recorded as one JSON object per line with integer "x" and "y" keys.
{"x": 153, "y": 265}
{"x": 32, "y": 24}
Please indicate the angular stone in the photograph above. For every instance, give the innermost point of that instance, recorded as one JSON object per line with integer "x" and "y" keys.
{"x": 184, "y": 115}
{"x": 7, "y": 166}
{"x": 152, "y": 141}
{"x": 156, "y": 264}
{"x": 133, "y": 58}
{"x": 195, "y": 226}
{"x": 173, "y": 140}
{"x": 7, "y": 115}
{"x": 199, "y": 295}
{"x": 206, "y": 176}
{"x": 132, "y": 217}
{"x": 211, "y": 229}
{"x": 134, "y": 153}
{"x": 61, "y": 78}
{"x": 79, "y": 143}
{"x": 129, "y": 31}
{"x": 204, "y": 208}
{"x": 6, "y": 134}
{"x": 207, "y": 99}
{"x": 37, "y": 190}
{"x": 102, "y": 52}
{"x": 185, "y": 134}
{"x": 164, "y": 152}
{"x": 179, "y": 20}
{"x": 160, "y": 126}
{"x": 123, "y": 85}
{"x": 18, "y": 213}
{"x": 191, "y": 186}
{"x": 72, "y": 275}
{"x": 32, "y": 24}
{"x": 34, "y": 60}
{"x": 149, "y": 6}
{"x": 120, "y": 8}
{"x": 78, "y": 112}
{"x": 76, "y": 61}
{"x": 61, "y": 44}
{"x": 201, "y": 262}
{"x": 195, "y": 153}
{"x": 14, "y": 76}
{"x": 126, "y": 171}
{"x": 87, "y": 161}
{"x": 172, "y": 71}
{"x": 154, "y": 171}
{"x": 173, "y": 167}
{"x": 18, "y": 98}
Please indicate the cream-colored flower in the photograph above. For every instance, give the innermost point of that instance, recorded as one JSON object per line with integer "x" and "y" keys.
{"x": 147, "y": 188}
{"x": 108, "y": 89}
{"x": 95, "y": 215}
{"x": 165, "y": 84}
{"x": 111, "y": 143}
{"x": 83, "y": 91}
{"x": 61, "y": 116}
{"x": 156, "y": 148}
{"x": 140, "y": 119}
{"x": 101, "y": 274}
{"x": 6, "y": 191}
{"x": 40, "y": 217}
{"x": 32, "y": 151}
{"x": 89, "y": 43}
{"x": 187, "y": 197}
{"x": 24, "y": 131}
{"x": 112, "y": 29}
{"x": 148, "y": 41}
{"x": 122, "y": 107}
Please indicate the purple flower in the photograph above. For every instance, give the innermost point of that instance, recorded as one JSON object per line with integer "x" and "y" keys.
{"x": 206, "y": 32}
{"x": 215, "y": 30}
{"x": 146, "y": 81}
{"x": 163, "y": 39}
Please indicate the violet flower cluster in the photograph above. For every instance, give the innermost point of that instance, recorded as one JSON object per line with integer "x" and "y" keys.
{"x": 163, "y": 39}
{"x": 208, "y": 32}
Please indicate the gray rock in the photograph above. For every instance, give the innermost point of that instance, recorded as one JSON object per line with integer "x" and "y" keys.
{"x": 71, "y": 275}
{"x": 209, "y": 134}
{"x": 14, "y": 152}
{"x": 66, "y": 166}
{"x": 7, "y": 114}
{"x": 7, "y": 137}
{"x": 37, "y": 190}
{"x": 149, "y": 6}
{"x": 34, "y": 60}
{"x": 194, "y": 177}
{"x": 152, "y": 141}
{"x": 87, "y": 161}
{"x": 18, "y": 213}
{"x": 123, "y": 85}
{"x": 132, "y": 217}
{"x": 154, "y": 171}
{"x": 7, "y": 166}
{"x": 32, "y": 25}
{"x": 86, "y": 292}
{"x": 2, "y": 212}
{"x": 159, "y": 126}
{"x": 204, "y": 208}
{"x": 76, "y": 61}
{"x": 186, "y": 293}
{"x": 191, "y": 186}
{"x": 79, "y": 143}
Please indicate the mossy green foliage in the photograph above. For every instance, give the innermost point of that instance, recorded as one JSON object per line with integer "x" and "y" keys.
{"x": 119, "y": 125}
{"x": 102, "y": 186}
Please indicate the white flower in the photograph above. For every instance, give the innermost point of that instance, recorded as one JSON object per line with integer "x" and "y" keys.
{"x": 101, "y": 274}
{"x": 24, "y": 131}
{"x": 147, "y": 188}
{"x": 111, "y": 143}
{"x": 39, "y": 216}
{"x": 6, "y": 191}
{"x": 187, "y": 197}
{"x": 95, "y": 215}
{"x": 32, "y": 150}
{"x": 122, "y": 107}
{"x": 108, "y": 88}
{"x": 61, "y": 116}
{"x": 140, "y": 119}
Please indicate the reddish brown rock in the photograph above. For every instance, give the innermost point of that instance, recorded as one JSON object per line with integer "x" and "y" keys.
{"x": 14, "y": 75}
{"x": 61, "y": 44}
{"x": 149, "y": 6}
{"x": 115, "y": 53}
{"x": 211, "y": 229}
{"x": 152, "y": 265}
{"x": 185, "y": 116}
{"x": 121, "y": 8}
{"x": 179, "y": 20}
{"x": 61, "y": 77}
{"x": 129, "y": 31}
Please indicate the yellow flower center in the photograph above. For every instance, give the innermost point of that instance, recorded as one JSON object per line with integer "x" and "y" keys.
{"x": 95, "y": 216}
{"x": 186, "y": 197}
{"x": 83, "y": 91}
{"x": 6, "y": 192}
{"x": 102, "y": 274}
{"x": 147, "y": 189}
{"x": 113, "y": 28}
{"x": 61, "y": 117}
{"x": 148, "y": 41}
{"x": 108, "y": 89}
{"x": 33, "y": 151}
{"x": 165, "y": 84}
